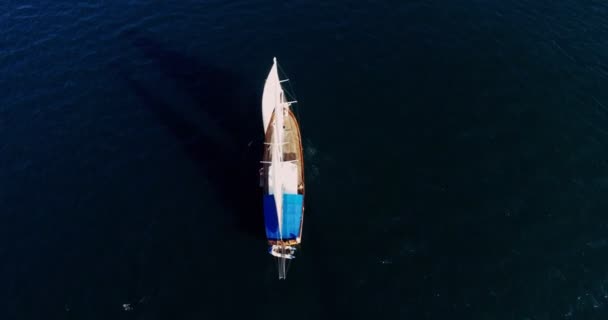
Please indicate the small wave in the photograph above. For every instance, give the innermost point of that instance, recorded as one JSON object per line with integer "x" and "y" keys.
{"x": 25, "y": 7}
{"x": 597, "y": 244}
{"x": 310, "y": 150}
{"x": 89, "y": 5}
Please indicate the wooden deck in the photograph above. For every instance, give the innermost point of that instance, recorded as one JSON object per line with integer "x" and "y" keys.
{"x": 292, "y": 150}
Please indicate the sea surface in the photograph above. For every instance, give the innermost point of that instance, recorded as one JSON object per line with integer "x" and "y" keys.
{"x": 456, "y": 159}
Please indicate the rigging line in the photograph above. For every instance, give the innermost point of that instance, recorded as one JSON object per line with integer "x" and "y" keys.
{"x": 283, "y": 267}
{"x": 276, "y": 263}
{"x": 292, "y": 95}
{"x": 298, "y": 116}
{"x": 297, "y": 108}
{"x": 291, "y": 91}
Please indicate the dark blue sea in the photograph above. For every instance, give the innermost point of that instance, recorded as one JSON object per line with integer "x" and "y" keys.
{"x": 456, "y": 159}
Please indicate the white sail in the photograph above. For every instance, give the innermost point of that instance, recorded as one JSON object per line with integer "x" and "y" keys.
{"x": 273, "y": 103}
{"x": 272, "y": 93}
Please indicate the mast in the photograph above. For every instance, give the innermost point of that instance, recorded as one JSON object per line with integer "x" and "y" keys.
{"x": 277, "y": 148}
{"x": 277, "y": 164}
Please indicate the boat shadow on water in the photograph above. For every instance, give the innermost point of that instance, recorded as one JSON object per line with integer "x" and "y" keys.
{"x": 221, "y": 97}
{"x": 232, "y": 172}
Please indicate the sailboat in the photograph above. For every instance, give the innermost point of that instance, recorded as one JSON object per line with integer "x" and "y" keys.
{"x": 282, "y": 173}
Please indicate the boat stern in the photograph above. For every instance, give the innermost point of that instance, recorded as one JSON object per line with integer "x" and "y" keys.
{"x": 282, "y": 251}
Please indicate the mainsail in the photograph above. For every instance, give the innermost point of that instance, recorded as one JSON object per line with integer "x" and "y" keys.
{"x": 273, "y": 106}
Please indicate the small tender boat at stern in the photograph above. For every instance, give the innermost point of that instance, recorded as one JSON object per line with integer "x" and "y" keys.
{"x": 282, "y": 173}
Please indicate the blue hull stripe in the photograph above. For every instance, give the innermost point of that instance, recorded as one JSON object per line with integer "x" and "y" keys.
{"x": 292, "y": 216}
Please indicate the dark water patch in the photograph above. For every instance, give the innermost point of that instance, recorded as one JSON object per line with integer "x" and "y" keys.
{"x": 456, "y": 160}
{"x": 229, "y": 164}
